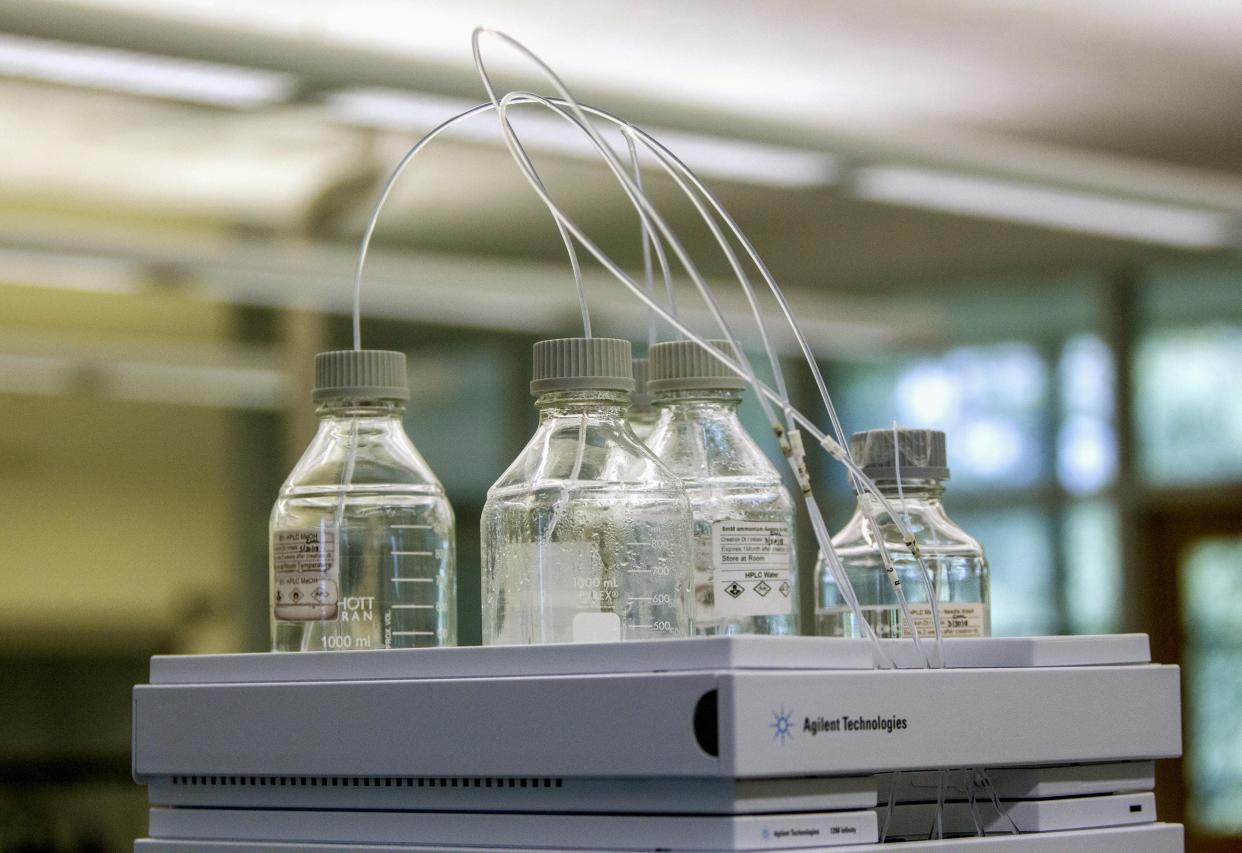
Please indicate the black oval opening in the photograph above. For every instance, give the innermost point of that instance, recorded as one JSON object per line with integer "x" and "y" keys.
{"x": 707, "y": 723}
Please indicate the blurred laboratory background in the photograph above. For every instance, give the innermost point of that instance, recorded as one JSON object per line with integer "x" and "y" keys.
{"x": 1016, "y": 222}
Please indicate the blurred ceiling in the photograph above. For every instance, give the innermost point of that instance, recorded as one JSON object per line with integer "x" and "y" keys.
{"x": 960, "y": 139}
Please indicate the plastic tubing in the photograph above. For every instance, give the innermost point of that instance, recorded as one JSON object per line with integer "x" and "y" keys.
{"x": 645, "y": 237}
{"x": 678, "y": 170}
{"x": 835, "y": 448}
{"x": 639, "y": 199}
{"x": 643, "y": 204}
{"x": 764, "y": 391}
{"x": 742, "y": 367}
{"x": 939, "y": 824}
{"x": 369, "y": 232}
{"x": 364, "y": 248}
{"x": 795, "y": 462}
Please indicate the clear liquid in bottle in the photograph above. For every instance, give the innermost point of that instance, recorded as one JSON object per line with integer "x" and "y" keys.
{"x": 586, "y": 538}
{"x": 954, "y": 560}
{"x": 362, "y": 544}
{"x": 745, "y": 560}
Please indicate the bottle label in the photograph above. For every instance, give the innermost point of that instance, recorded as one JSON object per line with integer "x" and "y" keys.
{"x": 306, "y": 570}
{"x": 957, "y": 619}
{"x": 751, "y": 568}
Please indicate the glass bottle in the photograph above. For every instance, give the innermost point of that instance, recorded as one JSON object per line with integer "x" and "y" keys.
{"x": 643, "y": 414}
{"x": 745, "y": 564}
{"x": 362, "y": 552}
{"x": 587, "y": 536}
{"x": 955, "y": 561}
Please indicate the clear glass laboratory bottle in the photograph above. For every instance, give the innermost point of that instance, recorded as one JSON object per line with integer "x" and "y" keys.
{"x": 954, "y": 559}
{"x": 745, "y": 564}
{"x": 643, "y": 414}
{"x": 587, "y": 536}
{"x": 362, "y": 551}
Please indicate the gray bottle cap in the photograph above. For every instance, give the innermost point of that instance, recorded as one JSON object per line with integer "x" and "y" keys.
{"x": 686, "y": 366}
{"x": 582, "y": 364}
{"x": 922, "y": 454}
{"x": 641, "y": 398}
{"x": 368, "y": 374}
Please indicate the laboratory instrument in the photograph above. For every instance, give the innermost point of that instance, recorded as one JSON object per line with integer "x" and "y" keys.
{"x": 745, "y": 561}
{"x": 910, "y": 467}
{"x": 586, "y": 537}
{"x": 698, "y": 744}
{"x": 739, "y": 742}
{"x": 361, "y": 538}
{"x": 643, "y": 414}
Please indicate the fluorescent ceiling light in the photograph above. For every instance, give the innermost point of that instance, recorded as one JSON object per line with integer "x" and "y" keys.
{"x": 731, "y": 159}
{"x": 211, "y": 386}
{"x": 1033, "y": 204}
{"x": 90, "y": 273}
{"x": 34, "y": 374}
{"x": 141, "y": 73}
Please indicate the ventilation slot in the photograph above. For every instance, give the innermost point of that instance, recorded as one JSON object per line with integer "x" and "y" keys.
{"x": 373, "y": 781}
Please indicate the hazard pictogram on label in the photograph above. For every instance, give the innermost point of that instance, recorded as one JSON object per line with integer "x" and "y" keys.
{"x": 750, "y": 559}
{"x": 305, "y": 568}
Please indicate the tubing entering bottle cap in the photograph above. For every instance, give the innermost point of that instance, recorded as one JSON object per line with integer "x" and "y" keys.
{"x": 922, "y": 452}
{"x": 641, "y": 398}
{"x": 369, "y": 374}
{"x": 686, "y": 366}
{"x": 582, "y": 364}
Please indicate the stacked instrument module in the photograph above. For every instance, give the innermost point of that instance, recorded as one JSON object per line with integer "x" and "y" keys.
{"x": 718, "y": 743}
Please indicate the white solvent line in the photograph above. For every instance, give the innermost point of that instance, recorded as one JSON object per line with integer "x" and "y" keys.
{"x": 338, "y": 517}
{"x": 645, "y": 236}
{"x": 795, "y": 462}
{"x": 928, "y": 583}
{"x": 674, "y": 166}
{"x": 939, "y": 823}
{"x": 764, "y": 392}
{"x": 369, "y": 231}
{"x": 744, "y": 370}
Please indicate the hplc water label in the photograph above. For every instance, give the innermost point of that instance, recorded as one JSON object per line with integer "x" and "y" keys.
{"x": 751, "y": 568}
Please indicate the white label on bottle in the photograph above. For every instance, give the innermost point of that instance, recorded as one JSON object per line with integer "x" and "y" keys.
{"x": 596, "y": 628}
{"x": 306, "y": 569}
{"x": 750, "y": 568}
{"x": 957, "y": 619}
{"x": 556, "y": 592}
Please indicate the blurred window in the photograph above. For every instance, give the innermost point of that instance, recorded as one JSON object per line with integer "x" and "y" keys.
{"x": 1007, "y": 444}
{"x": 461, "y": 392}
{"x": 1211, "y": 587}
{"x": 1188, "y": 412}
{"x": 1086, "y": 437}
{"x": 989, "y": 401}
{"x": 1091, "y": 554}
{"x": 1021, "y": 555}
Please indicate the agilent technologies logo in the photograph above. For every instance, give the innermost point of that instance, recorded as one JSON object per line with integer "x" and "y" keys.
{"x": 781, "y": 725}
